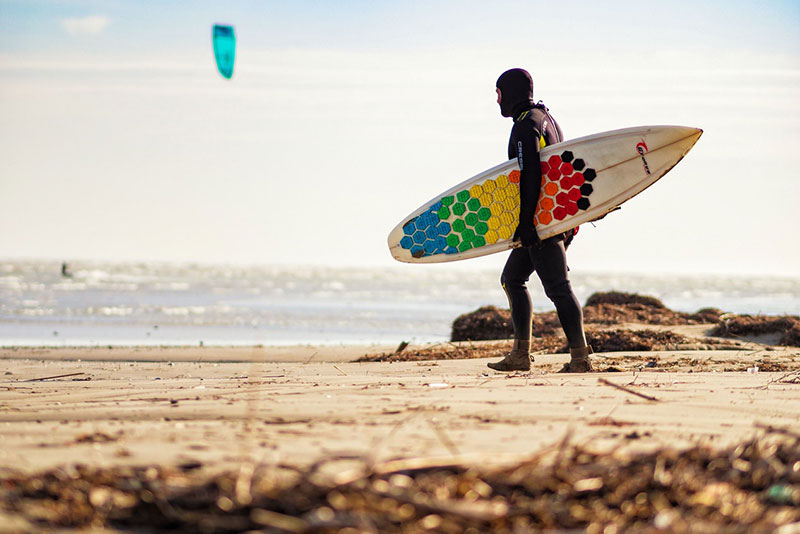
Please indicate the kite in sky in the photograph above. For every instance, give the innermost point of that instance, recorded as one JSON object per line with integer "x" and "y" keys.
{"x": 224, "y": 49}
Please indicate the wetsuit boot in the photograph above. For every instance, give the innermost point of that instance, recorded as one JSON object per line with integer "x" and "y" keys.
{"x": 579, "y": 361}
{"x": 519, "y": 359}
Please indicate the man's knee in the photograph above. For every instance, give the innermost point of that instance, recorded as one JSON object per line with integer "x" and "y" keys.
{"x": 558, "y": 290}
{"x": 508, "y": 280}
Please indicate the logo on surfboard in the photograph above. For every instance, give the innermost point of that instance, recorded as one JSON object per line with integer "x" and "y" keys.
{"x": 642, "y": 149}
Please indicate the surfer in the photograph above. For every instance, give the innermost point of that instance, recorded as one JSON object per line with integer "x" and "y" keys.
{"x": 535, "y": 128}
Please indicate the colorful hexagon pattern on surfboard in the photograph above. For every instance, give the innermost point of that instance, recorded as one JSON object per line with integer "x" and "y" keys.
{"x": 486, "y": 213}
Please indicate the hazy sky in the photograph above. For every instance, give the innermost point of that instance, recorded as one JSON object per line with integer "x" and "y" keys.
{"x": 119, "y": 140}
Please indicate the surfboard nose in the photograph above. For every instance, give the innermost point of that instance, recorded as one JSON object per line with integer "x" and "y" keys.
{"x": 691, "y": 136}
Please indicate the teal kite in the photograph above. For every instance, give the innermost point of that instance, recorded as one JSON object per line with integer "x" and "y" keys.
{"x": 224, "y": 49}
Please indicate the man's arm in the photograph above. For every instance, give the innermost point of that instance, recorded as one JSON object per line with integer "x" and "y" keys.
{"x": 526, "y": 139}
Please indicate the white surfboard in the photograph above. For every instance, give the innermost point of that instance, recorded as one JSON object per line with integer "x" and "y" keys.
{"x": 582, "y": 180}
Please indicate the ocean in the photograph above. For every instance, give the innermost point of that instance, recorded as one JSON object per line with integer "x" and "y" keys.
{"x": 125, "y": 304}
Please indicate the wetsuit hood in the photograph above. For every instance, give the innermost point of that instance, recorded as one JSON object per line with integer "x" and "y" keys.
{"x": 516, "y": 92}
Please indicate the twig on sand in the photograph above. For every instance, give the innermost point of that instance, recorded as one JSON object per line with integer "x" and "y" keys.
{"x": 446, "y": 441}
{"x": 401, "y": 347}
{"x": 793, "y": 374}
{"x": 626, "y": 390}
{"x": 51, "y": 377}
{"x": 337, "y": 368}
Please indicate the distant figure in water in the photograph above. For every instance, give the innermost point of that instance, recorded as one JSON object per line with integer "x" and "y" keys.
{"x": 65, "y": 272}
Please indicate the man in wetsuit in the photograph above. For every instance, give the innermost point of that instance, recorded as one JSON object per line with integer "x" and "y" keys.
{"x": 533, "y": 128}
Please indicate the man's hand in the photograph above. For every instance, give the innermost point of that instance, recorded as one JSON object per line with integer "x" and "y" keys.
{"x": 526, "y": 234}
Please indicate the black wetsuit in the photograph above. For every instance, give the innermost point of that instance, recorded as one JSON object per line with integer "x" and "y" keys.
{"x": 548, "y": 258}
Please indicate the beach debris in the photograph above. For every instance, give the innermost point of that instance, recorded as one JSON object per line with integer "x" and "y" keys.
{"x": 487, "y": 322}
{"x": 439, "y": 385}
{"x": 401, "y": 347}
{"x": 97, "y": 437}
{"x": 626, "y": 389}
{"x": 786, "y": 327}
{"x": 601, "y": 341}
{"x": 626, "y": 340}
{"x": 624, "y": 299}
{"x": 752, "y": 370}
{"x": 615, "y": 307}
{"x": 51, "y": 377}
{"x": 602, "y": 308}
{"x": 752, "y": 486}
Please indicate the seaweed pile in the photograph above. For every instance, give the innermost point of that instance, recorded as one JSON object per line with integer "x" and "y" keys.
{"x": 615, "y": 307}
{"x": 615, "y": 340}
{"x": 751, "y": 487}
{"x": 618, "y": 308}
{"x": 609, "y": 308}
{"x": 735, "y": 326}
{"x": 633, "y": 340}
{"x": 487, "y": 322}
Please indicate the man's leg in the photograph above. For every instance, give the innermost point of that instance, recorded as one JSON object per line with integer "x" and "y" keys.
{"x": 515, "y": 275}
{"x": 550, "y": 263}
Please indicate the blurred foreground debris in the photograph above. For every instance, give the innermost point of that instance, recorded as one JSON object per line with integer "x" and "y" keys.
{"x": 750, "y": 487}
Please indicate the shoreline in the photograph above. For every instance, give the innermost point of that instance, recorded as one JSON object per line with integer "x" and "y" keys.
{"x": 192, "y": 353}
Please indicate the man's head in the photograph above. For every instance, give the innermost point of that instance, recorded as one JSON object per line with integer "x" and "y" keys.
{"x": 515, "y": 92}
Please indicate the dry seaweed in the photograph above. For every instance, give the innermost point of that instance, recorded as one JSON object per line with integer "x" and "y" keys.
{"x": 738, "y": 326}
{"x": 600, "y": 340}
{"x": 490, "y": 322}
{"x": 633, "y": 340}
{"x": 487, "y": 322}
{"x": 753, "y": 486}
{"x": 624, "y": 299}
{"x": 602, "y": 308}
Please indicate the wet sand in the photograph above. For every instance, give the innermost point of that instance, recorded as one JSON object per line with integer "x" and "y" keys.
{"x": 218, "y": 407}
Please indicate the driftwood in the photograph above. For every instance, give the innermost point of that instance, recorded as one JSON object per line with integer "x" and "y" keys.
{"x": 626, "y": 390}
{"x": 51, "y": 377}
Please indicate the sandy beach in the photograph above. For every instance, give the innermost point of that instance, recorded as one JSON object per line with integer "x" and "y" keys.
{"x": 216, "y": 408}
{"x": 221, "y": 406}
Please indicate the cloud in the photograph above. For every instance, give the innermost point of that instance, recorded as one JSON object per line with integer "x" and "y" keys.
{"x": 86, "y": 25}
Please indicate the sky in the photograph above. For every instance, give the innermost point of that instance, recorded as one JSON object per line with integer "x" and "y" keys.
{"x": 120, "y": 141}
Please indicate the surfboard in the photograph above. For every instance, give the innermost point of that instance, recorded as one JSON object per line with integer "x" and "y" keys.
{"x": 582, "y": 180}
